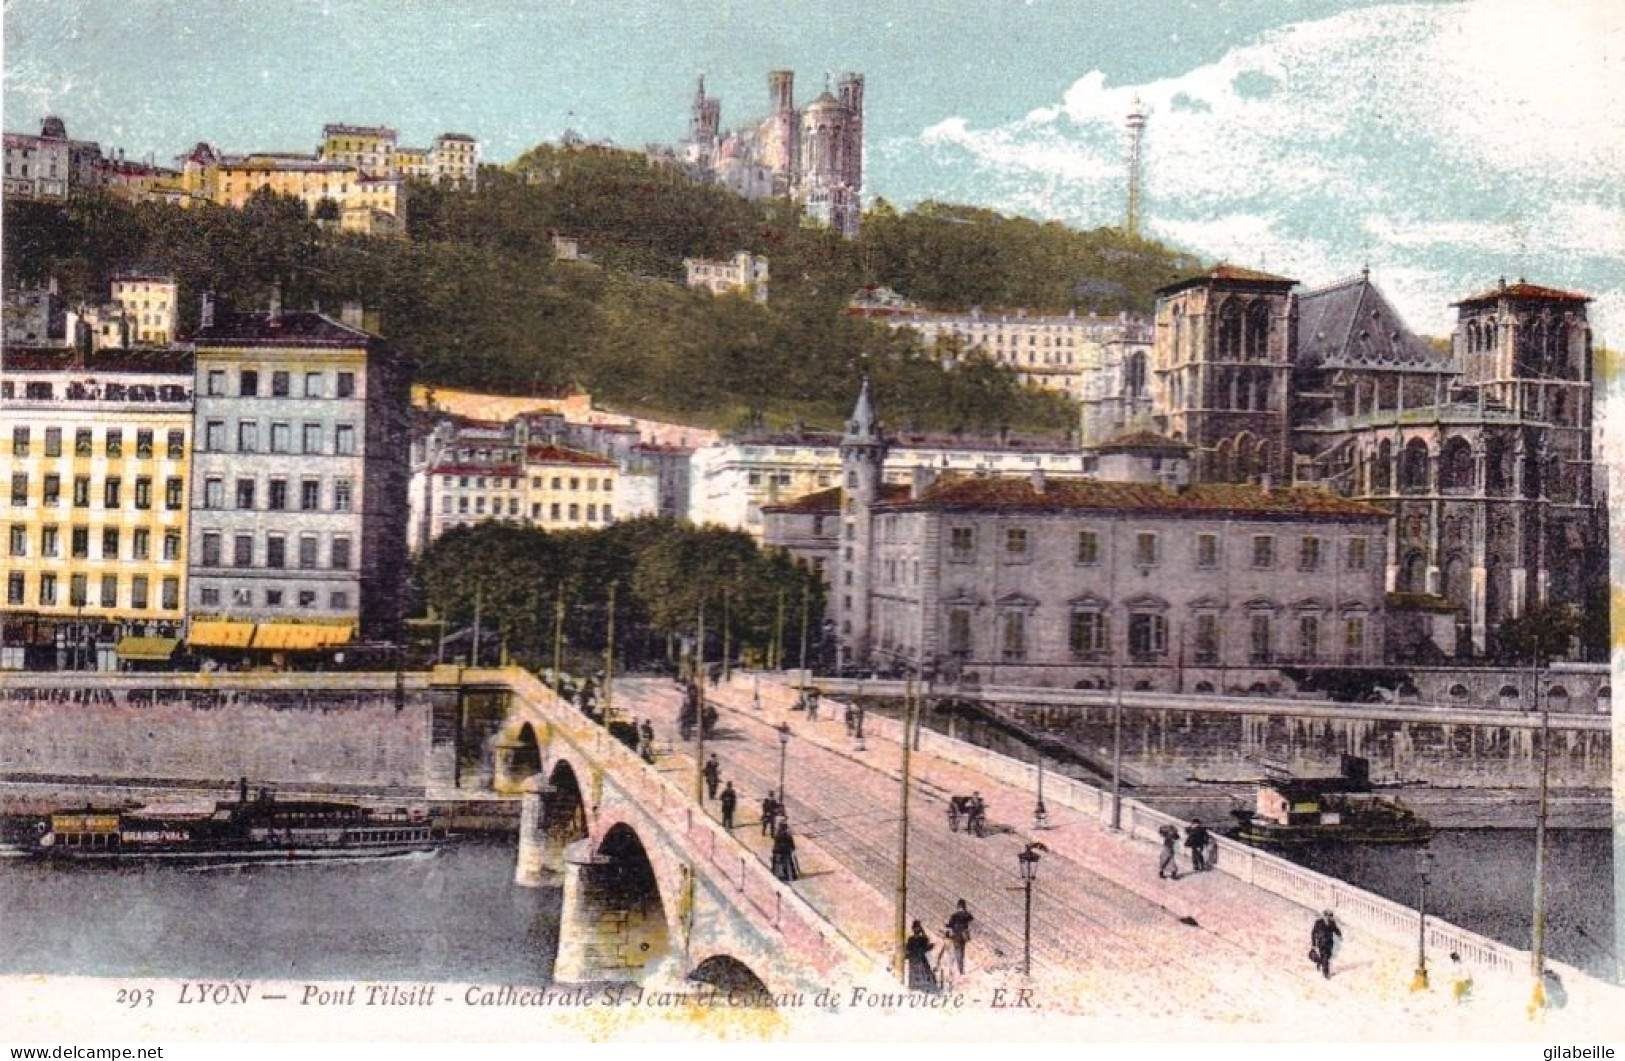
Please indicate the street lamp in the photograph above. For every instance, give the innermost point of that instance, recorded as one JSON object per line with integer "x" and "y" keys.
{"x": 1420, "y": 981}
{"x": 1028, "y": 863}
{"x": 1040, "y": 812}
{"x": 756, "y": 693}
{"x": 784, "y": 748}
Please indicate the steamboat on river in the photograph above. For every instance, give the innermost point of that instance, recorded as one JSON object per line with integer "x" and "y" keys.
{"x": 261, "y": 829}
{"x": 1292, "y": 812}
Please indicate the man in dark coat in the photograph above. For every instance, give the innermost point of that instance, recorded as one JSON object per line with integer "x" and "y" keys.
{"x": 713, "y": 776}
{"x": 729, "y": 801}
{"x": 1197, "y": 839}
{"x": 1323, "y": 940}
{"x": 770, "y": 812}
{"x": 959, "y": 923}
{"x": 784, "y": 853}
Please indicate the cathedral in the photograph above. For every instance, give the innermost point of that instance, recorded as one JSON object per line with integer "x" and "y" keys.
{"x": 1482, "y": 452}
{"x": 813, "y": 155}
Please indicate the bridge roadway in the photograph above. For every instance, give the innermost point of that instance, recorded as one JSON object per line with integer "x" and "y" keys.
{"x": 1110, "y": 939}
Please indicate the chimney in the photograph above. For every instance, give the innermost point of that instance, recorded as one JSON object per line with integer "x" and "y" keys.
{"x": 205, "y": 317}
{"x": 1038, "y": 481}
{"x": 351, "y": 314}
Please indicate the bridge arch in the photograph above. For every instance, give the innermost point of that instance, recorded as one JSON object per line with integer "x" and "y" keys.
{"x": 733, "y": 977}
{"x": 566, "y": 818}
{"x": 616, "y": 918}
{"x": 527, "y": 752}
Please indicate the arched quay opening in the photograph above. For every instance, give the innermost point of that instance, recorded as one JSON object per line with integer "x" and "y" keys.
{"x": 619, "y": 907}
{"x": 565, "y": 817}
{"x": 734, "y": 978}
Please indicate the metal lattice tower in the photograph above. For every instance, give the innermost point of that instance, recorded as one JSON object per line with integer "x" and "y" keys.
{"x": 1136, "y": 131}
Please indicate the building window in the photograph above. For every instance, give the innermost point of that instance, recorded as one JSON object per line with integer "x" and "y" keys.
{"x": 19, "y": 489}
{"x": 279, "y": 384}
{"x": 79, "y": 543}
{"x": 313, "y": 438}
{"x": 82, "y": 444}
{"x": 177, "y": 445}
{"x": 242, "y": 597}
{"x": 211, "y": 549}
{"x": 214, "y": 436}
{"x": 1357, "y": 554}
{"x": 53, "y": 490}
{"x": 341, "y": 554}
{"x": 1015, "y": 543}
{"x": 173, "y": 493}
{"x": 1088, "y": 633}
{"x": 1309, "y": 554}
{"x": 19, "y": 540}
{"x": 172, "y": 545}
{"x": 53, "y": 442}
{"x": 243, "y": 551}
{"x": 216, "y": 386}
{"x": 78, "y": 587}
{"x": 307, "y": 551}
{"x": 248, "y": 436}
{"x": 214, "y": 493}
{"x": 281, "y": 438}
{"x": 575, "y": 512}
{"x": 138, "y": 592}
{"x": 1013, "y": 637}
{"x": 344, "y": 440}
{"x": 245, "y": 493}
{"x": 346, "y": 385}
{"x": 1147, "y": 635}
{"x": 313, "y": 385}
{"x": 171, "y": 598}
{"x": 143, "y": 493}
{"x": 115, "y": 442}
{"x": 143, "y": 445}
{"x": 1263, "y": 550}
{"x": 1308, "y": 637}
{"x": 1207, "y": 550}
{"x": 307, "y": 598}
{"x": 609, "y": 516}
{"x": 141, "y": 544}
{"x": 961, "y": 544}
{"x": 19, "y": 441}
{"x": 47, "y": 588}
{"x": 16, "y": 587}
{"x": 248, "y": 384}
{"x": 277, "y": 495}
{"x": 109, "y": 543}
{"x": 339, "y": 600}
{"x": 1354, "y": 639}
{"x": 1207, "y": 638}
{"x": 109, "y": 591}
{"x": 110, "y": 492}
{"x": 276, "y": 551}
{"x": 81, "y": 491}
{"x": 1146, "y": 548}
{"x": 1262, "y": 637}
{"x": 553, "y": 512}
{"x": 1088, "y": 547}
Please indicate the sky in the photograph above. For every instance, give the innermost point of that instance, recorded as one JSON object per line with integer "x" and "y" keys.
{"x": 1442, "y": 144}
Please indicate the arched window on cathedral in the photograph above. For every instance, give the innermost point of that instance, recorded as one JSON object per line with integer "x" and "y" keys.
{"x": 1557, "y": 349}
{"x": 1230, "y": 331}
{"x": 1258, "y": 332}
{"x": 1413, "y": 573}
{"x": 1224, "y": 466}
{"x": 1244, "y": 458}
{"x": 1134, "y": 376}
{"x": 1456, "y": 466}
{"x": 1382, "y": 469}
{"x": 1413, "y": 468}
{"x": 1473, "y": 337}
{"x": 1497, "y": 469}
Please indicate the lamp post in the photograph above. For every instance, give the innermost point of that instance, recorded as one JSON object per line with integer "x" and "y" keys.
{"x": 1028, "y": 863}
{"x": 1117, "y": 748}
{"x": 784, "y": 749}
{"x": 1420, "y": 981}
{"x": 756, "y": 693}
{"x": 1538, "y": 940}
{"x": 900, "y": 900}
{"x": 1040, "y": 812}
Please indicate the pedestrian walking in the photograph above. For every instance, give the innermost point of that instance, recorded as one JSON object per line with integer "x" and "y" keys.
{"x": 1168, "y": 868}
{"x": 851, "y": 721}
{"x": 770, "y": 812}
{"x": 976, "y": 818}
{"x": 959, "y": 923}
{"x": 812, "y": 706}
{"x": 646, "y": 741}
{"x": 917, "y": 954}
{"x": 784, "y": 853}
{"x": 1461, "y": 980}
{"x": 1323, "y": 939}
{"x": 713, "y": 776}
{"x": 730, "y": 800}
{"x": 1197, "y": 839}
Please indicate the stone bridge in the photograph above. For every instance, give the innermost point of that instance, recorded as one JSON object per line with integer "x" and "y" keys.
{"x": 655, "y": 891}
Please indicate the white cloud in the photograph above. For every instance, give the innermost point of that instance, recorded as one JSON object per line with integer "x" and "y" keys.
{"x": 1442, "y": 144}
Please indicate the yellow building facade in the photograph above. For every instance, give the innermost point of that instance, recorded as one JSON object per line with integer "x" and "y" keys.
{"x": 96, "y": 454}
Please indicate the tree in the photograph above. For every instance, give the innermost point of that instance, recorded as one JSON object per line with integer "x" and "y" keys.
{"x": 1542, "y": 633}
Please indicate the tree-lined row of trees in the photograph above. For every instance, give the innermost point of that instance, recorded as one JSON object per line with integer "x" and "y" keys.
{"x": 662, "y": 572}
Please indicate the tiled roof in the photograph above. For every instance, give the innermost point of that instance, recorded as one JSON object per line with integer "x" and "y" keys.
{"x": 560, "y": 455}
{"x": 830, "y": 500}
{"x": 1351, "y": 325}
{"x": 1523, "y": 290}
{"x": 159, "y": 360}
{"x": 1217, "y": 499}
{"x": 500, "y": 471}
{"x": 296, "y": 328}
{"x": 1226, "y": 272}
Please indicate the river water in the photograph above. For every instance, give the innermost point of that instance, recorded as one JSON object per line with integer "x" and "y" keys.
{"x": 449, "y": 916}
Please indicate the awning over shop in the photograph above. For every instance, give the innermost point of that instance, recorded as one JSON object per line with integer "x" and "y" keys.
{"x": 216, "y": 633}
{"x": 147, "y": 648}
{"x": 296, "y": 637}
